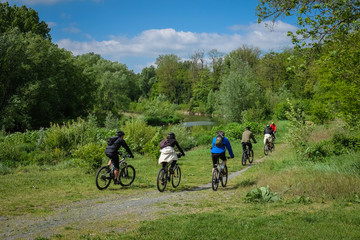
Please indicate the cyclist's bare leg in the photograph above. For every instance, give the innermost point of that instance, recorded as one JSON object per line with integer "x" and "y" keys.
{"x": 116, "y": 173}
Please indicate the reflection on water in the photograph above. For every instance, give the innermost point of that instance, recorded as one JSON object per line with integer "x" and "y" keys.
{"x": 198, "y": 123}
{"x": 196, "y": 120}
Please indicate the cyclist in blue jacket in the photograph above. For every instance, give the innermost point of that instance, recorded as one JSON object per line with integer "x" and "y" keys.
{"x": 219, "y": 143}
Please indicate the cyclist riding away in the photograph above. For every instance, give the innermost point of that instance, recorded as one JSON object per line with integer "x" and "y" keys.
{"x": 112, "y": 151}
{"x": 246, "y": 136}
{"x": 168, "y": 152}
{"x": 273, "y": 127}
{"x": 268, "y": 135}
{"x": 218, "y": 149}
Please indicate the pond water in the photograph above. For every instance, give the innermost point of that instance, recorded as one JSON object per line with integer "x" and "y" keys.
{"x": 195, "y": 120}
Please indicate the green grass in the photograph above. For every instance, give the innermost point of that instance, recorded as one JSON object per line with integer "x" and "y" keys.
{"x": 320, "y": 200}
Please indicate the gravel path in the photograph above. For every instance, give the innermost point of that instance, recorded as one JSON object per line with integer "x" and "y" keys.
{"x": 86, "y": 214}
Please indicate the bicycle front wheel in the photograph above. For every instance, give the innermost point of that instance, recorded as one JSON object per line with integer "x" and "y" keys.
{"x": 266, "y": 149}
{"x": 251, "y": 156}
{"x": 224, "y": 178}
{"x": 215, "y": 179}
{"x": 176, "y": 177}
{"x": 243, "y": 158}
{"x": 103, "y": 178}
{"x": 127, "y": 175}
{"x": 161, "y": 180}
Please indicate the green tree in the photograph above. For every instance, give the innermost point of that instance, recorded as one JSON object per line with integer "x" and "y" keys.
{"x": 173, "y": 78}
{"x": 317, "y": 20}
{"x": 239, "y": 92}
{"x": 40, "y": 83}
{"x": 146, "y": 80}
{"x": 339, "y": 77}
{"x": 23, "y": 18}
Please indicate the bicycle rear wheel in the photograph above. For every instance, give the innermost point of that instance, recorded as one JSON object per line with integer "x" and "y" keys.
{"x": 127, "y": 175}
{"x": 215, "y": 179}
{"x": 176, "y": 177}
{"x": 251, "y": 156}
{"x": 225, "y": 176}
{"x": 103, "y": 177}
{"x": 243, "y": 158}
{"x": 161, "y": 180}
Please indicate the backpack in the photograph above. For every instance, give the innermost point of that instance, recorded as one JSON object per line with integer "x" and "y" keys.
{"x": 219, "y": 141}
{"x": 111, "y": 140}
{"x": 163, "y": 143}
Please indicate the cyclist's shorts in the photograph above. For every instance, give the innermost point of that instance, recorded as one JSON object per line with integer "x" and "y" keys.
{"x": 268, "y": 138}
{"x": 114, "y": 160}
{"x": 216, "y": 156}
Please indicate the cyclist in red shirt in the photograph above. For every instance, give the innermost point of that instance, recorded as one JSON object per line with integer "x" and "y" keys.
{"x": 273, "y": 127}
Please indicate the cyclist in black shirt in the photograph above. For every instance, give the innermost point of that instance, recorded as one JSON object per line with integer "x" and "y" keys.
{"x": 112, "y": 151}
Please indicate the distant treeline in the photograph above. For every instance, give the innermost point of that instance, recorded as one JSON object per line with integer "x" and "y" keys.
{"x": 42, "y": 84}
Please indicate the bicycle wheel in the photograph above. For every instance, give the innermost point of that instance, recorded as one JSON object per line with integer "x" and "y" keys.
{"x": 127, "y": 175}
{"x": 161, "y": 180}
{"x": 103, "y": 177}
{"x": 251, "y": 156}
{"x": 266, "y": 149}
{"x": 243, "y": 158}
{"x": 176, "y": 177}
{"x": 215, "y": 179}
{"x": 225, "y": 176}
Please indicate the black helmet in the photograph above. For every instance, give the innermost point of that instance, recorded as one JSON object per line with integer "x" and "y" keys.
{"x": 222, "y": 133}
{"x": 248, "y": 128}
{"x": 120, "y": 133}
{"x": 171, "y": 135}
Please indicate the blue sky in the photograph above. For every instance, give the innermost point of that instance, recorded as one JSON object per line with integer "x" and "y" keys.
{"x": 136, "y": 32}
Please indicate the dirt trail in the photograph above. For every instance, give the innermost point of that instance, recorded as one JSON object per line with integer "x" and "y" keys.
{"x": 86, "y": 214}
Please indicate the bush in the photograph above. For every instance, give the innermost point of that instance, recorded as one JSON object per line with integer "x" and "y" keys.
{"x": 152, "y": 147}
{"x": 137, "y": 134}
{"x": 183, "y": 136}
{"x": 14, "y": 149}
{"x": 235, "y": 130}
{"x": 262, "y": 194}
{"x": 89, "y": 157}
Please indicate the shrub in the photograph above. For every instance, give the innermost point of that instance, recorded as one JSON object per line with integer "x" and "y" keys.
{"x": 183, "y": 136}
{"x": 137, "y": 134}
{"x": 235, "y": 130}
{"x": 262, "y": 194}
{"x": 152, "y": 147}
{"x": 89, "y": 157}
{"x": 14, "y": 149}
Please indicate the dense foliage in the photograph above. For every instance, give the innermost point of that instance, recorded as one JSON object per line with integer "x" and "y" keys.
{"x": 45, "y": 90}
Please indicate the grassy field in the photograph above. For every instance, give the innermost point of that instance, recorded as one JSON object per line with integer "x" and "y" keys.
{"x": 319, "y": 200}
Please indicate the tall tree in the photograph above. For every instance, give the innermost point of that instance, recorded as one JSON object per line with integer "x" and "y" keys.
{"x": 146, "y": 80}
{"x": 167, "y": 70}
{"x": 23, "y": 18}
{"x": 39, "y": 82}
{"x": 318, "y": 20}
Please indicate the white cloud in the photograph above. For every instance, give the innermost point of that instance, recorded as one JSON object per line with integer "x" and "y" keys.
{"x": 71, "y": 30}
{"x": 151, "y": 43}
{"x": 51, "y": 24}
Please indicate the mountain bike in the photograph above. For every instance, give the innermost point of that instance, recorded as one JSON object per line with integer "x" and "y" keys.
{"x": 268, "y": 148}
{"x": 105, "y": 174}
{"x": 167, "y": 174}
{"x": 247, "y": 156}
{"x": 220, "y": 174}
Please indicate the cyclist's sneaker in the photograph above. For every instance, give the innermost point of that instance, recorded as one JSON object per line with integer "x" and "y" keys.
{"x": 116, "y": 181}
